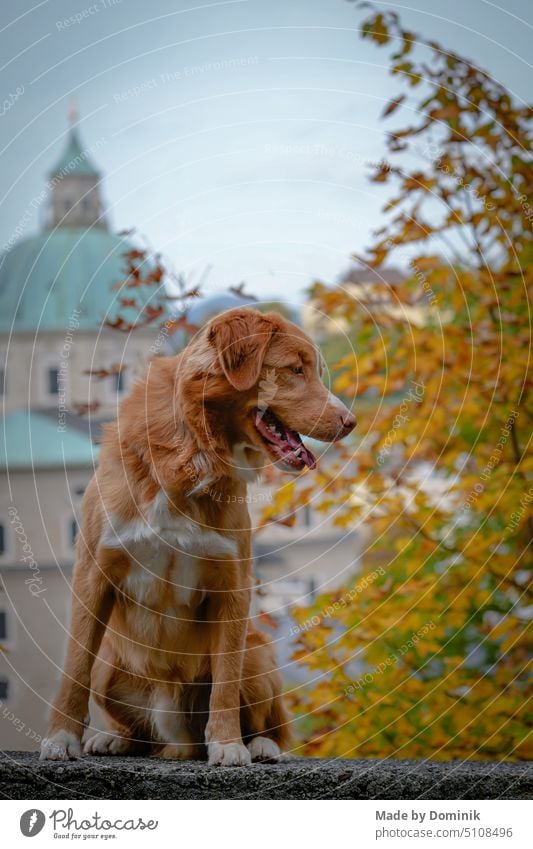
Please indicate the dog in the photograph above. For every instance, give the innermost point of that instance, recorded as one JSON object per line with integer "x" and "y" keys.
{"x": 161, "y": 635}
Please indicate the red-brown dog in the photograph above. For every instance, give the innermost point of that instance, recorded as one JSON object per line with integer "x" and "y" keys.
{"x": 160, "y": 631}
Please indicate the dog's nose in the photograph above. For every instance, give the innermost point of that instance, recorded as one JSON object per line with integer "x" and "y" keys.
{"x": 348, "y": 422}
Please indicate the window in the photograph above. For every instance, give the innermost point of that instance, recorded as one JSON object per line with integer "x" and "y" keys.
{"x": 2, "y": 540}
{"x": 72, "y": 531}
{"x": 53, "y": 381}
{"x": 4, "y": 689}
{"x": 119, "y": 382}
{"x": 3, "y": 625}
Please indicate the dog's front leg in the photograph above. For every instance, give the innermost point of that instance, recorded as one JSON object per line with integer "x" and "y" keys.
{"x": 92, "y": 601}
{"x": 229, "y": 612}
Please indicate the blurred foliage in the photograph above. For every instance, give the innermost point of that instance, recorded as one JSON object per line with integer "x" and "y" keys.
{"x": 431, "y": 658}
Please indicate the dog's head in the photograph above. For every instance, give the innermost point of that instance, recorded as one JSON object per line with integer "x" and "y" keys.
{"x": 268, "y": 376}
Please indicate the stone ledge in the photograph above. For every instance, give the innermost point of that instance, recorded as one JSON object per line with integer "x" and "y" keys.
{"x": 23, "y": 776}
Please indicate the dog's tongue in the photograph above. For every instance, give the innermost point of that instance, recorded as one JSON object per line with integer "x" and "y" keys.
{"x": 295, "y": 442}
{"x": 292, "y": 437}
{"x": 308, "y": 458}
{"x": 287, "y": 441}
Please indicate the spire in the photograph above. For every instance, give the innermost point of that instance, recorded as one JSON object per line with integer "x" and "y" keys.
{"x": 75, "y": 181}
{"x": 75, "y": 159}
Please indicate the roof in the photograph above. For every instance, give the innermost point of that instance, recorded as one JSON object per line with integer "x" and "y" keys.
{"x": 30, "y": 440}
{"x": 206, "y": 308}
{"x": 90, "y": 427}
{"x": 390, "y": 275}
{"x": 63, "y": 278}
{"x": 74, "y": 160}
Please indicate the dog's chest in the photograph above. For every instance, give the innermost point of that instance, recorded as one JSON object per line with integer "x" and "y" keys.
{"x": 166, "y": 553}
{"x": 161, "y": 578}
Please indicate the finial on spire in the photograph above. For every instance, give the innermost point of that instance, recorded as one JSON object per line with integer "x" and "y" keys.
{"x": 73, "y": 113}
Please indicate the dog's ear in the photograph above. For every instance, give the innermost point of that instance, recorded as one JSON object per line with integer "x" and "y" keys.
{"x": 241, "y": 338}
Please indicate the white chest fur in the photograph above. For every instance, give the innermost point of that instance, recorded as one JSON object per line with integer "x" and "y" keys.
{"x": 159, "y": 578}
{"x": 165, "y": 548}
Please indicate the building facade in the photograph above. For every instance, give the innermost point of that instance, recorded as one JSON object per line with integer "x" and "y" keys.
{"x": 57, "y": 291}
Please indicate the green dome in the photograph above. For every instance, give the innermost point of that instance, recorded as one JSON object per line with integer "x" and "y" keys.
{"x": 44, "y": 279}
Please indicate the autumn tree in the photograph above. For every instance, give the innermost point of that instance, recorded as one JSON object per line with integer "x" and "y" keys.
{"x": 149, "y": 294}
{"x": 425, "y": 653}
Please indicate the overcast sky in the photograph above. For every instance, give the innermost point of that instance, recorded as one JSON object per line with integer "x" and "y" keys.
{"x": 233, "y": 133}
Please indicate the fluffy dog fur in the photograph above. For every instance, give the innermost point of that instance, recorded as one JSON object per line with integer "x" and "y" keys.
{"x": 160, "y": 632}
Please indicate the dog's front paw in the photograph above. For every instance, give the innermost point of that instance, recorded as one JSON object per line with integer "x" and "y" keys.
{"x": 105, "y": 743}
{"x": 61, "y": 746}
{"x": 264, "y": 749}
{"x": 228, "y": 754}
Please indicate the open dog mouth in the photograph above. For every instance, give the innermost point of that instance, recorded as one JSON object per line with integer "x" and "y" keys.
{"x": 282, "y": 443}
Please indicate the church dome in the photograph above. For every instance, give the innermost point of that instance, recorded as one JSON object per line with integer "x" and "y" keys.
{"x": 44, "y": 279}
{"x": 72, "y": 269}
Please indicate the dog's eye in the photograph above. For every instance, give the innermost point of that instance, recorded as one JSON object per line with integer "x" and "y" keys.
{"x": 297, "y": 370}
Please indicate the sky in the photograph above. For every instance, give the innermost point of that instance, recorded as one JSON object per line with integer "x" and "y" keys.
{"x": 234, "y": 135}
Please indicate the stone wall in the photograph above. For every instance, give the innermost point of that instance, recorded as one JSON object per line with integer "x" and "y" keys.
{"x": 23, "y": 776}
